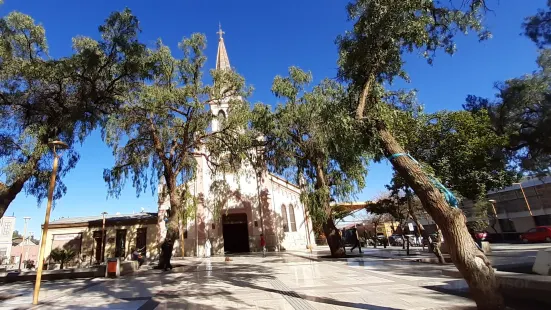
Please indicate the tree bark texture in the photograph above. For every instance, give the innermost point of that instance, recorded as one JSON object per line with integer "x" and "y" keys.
{"x": 375, "y": 238}
{"x": 472, "y": 263}
{"x": 172, "y": 226}
{"x": 9, "y": 192}
{"x": 329, "y": 229}
{"x": 182, "y": 229}
{"x": 333, "y": 238}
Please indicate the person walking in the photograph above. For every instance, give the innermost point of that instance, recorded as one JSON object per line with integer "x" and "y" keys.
{"x": 355, "y": 240}
{"x": 263, "y": 245}
{"x": 167, "y": 253}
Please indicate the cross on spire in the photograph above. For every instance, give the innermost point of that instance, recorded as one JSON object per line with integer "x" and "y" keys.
{"x": 222, "y": 60}
{"x": 220, "y": 32}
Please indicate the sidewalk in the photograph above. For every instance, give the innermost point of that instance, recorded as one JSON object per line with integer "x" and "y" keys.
{"x": 390, "y": 252}
{"x": 279, "y": 281}
{"x": 19, "y": 295}
{"x": 379, "y": 279}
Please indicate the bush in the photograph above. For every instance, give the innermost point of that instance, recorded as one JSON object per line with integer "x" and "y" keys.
{"x": 62, "y": 256}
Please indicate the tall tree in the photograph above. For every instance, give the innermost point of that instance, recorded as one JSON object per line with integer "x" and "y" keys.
{"x": 460, "y": 149}
{"x": 163, "y": 126}
{"x": 538, "y": 27}
{"x": 311, "y": 137}
{"x": 44, "y": 99}
{"x": 522, "y": 110}
{"x": 522, "y": 114}
{"x": 371, "y": 54}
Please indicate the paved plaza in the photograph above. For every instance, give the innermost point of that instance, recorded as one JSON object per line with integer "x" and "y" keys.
{"x": 282, "y": 281}
{"x": 290, "y": 280}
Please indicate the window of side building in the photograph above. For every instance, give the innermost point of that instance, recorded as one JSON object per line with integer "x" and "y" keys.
{"x": 284, "y": 218}
{"x": 292, "y": 218}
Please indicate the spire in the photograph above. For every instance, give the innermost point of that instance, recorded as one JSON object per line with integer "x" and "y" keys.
{"x": 222, "y": 60}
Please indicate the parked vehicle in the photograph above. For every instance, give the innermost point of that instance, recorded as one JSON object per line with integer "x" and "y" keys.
{"x": 482, "y": 235}
{"x": 537, "y": 234}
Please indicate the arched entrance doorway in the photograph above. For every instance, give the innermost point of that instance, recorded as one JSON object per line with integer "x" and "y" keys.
{"x": 236, "y": 233}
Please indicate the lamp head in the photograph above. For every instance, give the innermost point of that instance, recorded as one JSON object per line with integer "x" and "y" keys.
{"x": 60, "y": 145}
{"x": 492, "y": 201}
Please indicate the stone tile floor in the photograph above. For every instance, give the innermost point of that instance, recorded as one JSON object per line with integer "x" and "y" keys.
{"x": 279, "y": 281}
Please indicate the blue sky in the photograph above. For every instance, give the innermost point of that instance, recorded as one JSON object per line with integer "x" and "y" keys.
{"x": 263, "y": 39}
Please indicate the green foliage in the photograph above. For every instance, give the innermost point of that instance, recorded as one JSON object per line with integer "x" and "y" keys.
{"x": 461, "y": 149}
{"x": 311, "y": 138}
{"x": 538, "y": 27}
{"x": 44, "y": 99}
{"x": 522, "y": 115}
{"x": 221, "y": 193}
{"x": 62, "y": 256}
{"x": 481, "y": 215}
{"x": 16, "y": 234}
{"x": 189, "y": 205}
{"x": 384, "y": 30}
{"x": 522, "y": 111}
{"x": 162, "y": 126}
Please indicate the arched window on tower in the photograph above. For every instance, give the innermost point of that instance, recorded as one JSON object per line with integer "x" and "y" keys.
{"x": 292, "y": 218}
{"x": 284, "y": 218}
{"x": 221, "y": 118}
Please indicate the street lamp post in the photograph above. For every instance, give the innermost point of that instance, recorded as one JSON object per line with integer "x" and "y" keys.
{"x": 103, "y": 236}
{"x": 59, "y": 145}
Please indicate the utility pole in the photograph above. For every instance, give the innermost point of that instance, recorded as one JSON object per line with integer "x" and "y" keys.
{"x": 103, "y": 237}
{"x": 26, "y": 218}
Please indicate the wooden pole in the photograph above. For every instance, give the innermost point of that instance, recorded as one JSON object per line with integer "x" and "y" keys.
{"x": 525, "y": 199}
{"x": 103, "y": 238}
{"x": 45, "y": 231}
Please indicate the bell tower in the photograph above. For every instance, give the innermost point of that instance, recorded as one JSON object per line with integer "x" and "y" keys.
{"x": 220, "y": 108}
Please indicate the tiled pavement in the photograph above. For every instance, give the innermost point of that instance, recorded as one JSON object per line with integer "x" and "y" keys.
{"x": 282, "y": 281}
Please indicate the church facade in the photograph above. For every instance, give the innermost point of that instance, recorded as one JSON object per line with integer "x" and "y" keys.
{"x": 265, "y": 204}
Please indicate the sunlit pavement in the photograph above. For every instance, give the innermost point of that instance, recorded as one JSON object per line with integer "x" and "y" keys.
{"x": 289, "y": 280}
{"x": 279, "y": 281}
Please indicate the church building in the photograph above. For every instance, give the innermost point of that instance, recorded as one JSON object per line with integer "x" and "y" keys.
{"x": 267, "y": 204}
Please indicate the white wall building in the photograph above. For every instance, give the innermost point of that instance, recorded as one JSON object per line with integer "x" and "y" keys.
{"x": 268, "y": 205}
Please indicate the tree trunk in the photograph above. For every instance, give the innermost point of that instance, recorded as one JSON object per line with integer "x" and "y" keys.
{"x": 471, "y": 263}
{"x": 172, "y": 223}
{"x": 333, "y": 239}
{"x": 182, "y": 245}
{"x": 329, "y": 229}
{"x": 376, "y": 238}
{"x": 9, "y": 192}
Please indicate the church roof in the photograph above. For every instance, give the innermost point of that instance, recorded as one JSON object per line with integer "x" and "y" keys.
{"x": 222, "y": 59}
{"x": 109, "y": 219}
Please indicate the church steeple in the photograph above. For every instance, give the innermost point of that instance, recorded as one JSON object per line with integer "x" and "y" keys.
{"x": 222, "y": 60}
